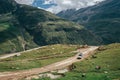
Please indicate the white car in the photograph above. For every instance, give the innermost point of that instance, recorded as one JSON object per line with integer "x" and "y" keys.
{"x": 80, "y": 56}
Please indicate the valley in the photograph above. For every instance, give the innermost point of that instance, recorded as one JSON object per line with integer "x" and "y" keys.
{"x": 74, "y": 44}
{"x": 37, "y": 27}
{"x": 55, "y": 66}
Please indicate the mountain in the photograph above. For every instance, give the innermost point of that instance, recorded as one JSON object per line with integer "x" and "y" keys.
{"x": 13, "y": 36}
{"x": 102, "y": 19}
{"x": 24, "y": 27}
{"x": 66, "y": 14}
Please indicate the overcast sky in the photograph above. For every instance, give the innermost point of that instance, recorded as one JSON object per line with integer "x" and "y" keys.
{"x": 63, "y": 4}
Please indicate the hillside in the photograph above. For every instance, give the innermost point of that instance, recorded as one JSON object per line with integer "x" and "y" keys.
{"x": 13, "y": 38}
{"x": 107, "y": 57}
{"x": 102, "y": 19}
{"x": 38, "y": 58}
{"x": 24, "y": 27}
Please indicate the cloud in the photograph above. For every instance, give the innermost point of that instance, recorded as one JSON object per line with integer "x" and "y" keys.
{"x": 63, "y": 4}
{"x": 48, "y": 2}
{"x": 70, "y": 4}
{"x": 28, "y": 2}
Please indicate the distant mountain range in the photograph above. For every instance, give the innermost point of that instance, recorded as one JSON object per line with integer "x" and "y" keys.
{"x": 102, "y": 19}
{"x": 24, "y": 27}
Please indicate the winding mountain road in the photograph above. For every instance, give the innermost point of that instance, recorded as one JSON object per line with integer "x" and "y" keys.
{"x": 58, "y": 65}
{"x": 17, "y": 53}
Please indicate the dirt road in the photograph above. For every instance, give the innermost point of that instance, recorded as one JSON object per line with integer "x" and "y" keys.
{"x": 59, "y": 65}
{"x": 17, "y": 53}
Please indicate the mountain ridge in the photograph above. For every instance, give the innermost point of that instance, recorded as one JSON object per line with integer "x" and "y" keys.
{"x": 102, "y": 19}
{"x": 24, "y": 27}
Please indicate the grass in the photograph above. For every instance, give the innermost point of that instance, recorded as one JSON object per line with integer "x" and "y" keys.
{"x": 38, "y": 58}
{"x": 107, "y": 57}
{"x": 3, "y": 26}
{"x": 12, "y": 36}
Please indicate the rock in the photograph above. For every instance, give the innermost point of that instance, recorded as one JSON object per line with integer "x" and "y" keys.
{"x": 17, "y": 55}
{"x": 83, "y": 75}
{"x": 105, "y": 72}
{"x": 97, "y": 67}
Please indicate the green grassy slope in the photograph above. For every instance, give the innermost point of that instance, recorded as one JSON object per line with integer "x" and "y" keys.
{"x": 47, "y": 28}
{"x": 13, "y": 38}
{"x": 24, "y": 27}
{"x": 107, "y": 57}
{"x": 38, "y": 58}
{"x": 107, "y": 29}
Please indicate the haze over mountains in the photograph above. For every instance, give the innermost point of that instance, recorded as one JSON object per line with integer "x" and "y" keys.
{"x": 56, "y": 6}
{"x": 102, "y": 19}
{"x": 24, "y": 27}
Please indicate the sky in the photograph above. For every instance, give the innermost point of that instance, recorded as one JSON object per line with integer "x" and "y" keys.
{"x": 56, "y": 6}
